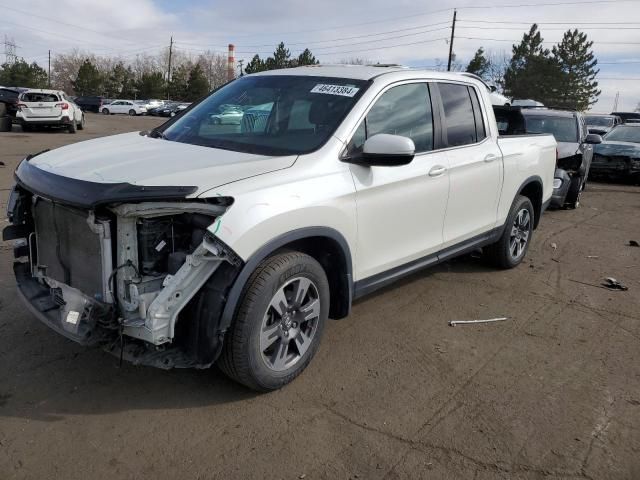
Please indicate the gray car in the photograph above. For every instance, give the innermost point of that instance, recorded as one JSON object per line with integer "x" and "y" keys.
{"x": 575, "y": 146}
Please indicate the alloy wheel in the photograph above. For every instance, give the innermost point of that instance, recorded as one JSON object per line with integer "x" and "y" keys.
{"x": 520, "y": 232}
{"x": 290, "y": 324}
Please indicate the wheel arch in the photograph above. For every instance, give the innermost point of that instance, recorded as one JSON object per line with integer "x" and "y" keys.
{"x": 324, "y": 244}
{"x": 533, "y": 190}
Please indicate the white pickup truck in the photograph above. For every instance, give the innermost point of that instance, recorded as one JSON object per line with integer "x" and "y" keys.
{"x": 202, "y": 242}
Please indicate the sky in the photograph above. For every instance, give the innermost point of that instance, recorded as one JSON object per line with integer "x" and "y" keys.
{"x": 409, "y": 32}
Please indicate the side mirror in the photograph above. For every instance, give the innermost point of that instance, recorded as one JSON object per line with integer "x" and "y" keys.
{"x": 493, "y": 88}
{"x": 384, "y": 150}
{"x": 593, "y": 139}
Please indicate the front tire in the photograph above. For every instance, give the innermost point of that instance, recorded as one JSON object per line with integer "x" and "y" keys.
{"x": 575, "y": 192}
{"x": 511, "y": 248}
{"x": 279, "y": 324}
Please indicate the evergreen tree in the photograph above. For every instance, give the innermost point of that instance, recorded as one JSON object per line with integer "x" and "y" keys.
{"x": 114, "y": 83}
{"x": 151, "y": 85}
{"x": 255, "y": 65}
{"x": 532, "y": 72}
{"x": 179, "y": 85}
{"x": 22, "y": 74}
{"x": 306, "y": 58}
{"x": 579, "y": 88}
{"x": 198, "y": 84}
{"x": 129, "y": 88}
{"x": 89, "y": 80}
{"x": 479, "y": 64}
{"x": 281, "y": 58}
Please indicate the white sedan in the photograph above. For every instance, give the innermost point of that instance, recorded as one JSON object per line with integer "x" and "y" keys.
{"x": 38, "y": 107}
{"x": 128, "y": 107}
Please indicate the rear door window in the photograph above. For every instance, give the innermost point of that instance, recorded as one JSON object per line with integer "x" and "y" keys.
{"x": 460, "y": 120}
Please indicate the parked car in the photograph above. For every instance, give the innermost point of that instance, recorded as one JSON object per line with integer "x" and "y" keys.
{"x": 618, "y": 156}
{"x": 195, "y": 243}
{"x": 527, "y": 103}
{"x": 575, "y": 146}
{"x": 39, "y": 107}
{"x": 167, "y": 109}
{"x": 601, "y": 124}
{"x": 154, "y": 103}
{"x": 229, "y": 115}
{"x": 90, "y": 103}
{"x": 128, "y": 107}
{"x": 625, "y": 116}
{"x": 9, "y": 97}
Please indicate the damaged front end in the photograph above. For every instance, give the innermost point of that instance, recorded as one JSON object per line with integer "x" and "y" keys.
{"x": 116, "y": 266}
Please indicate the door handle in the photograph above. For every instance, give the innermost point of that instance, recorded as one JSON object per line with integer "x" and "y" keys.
{"x": 490, "y": 158}
{"x": 437, "y": 170}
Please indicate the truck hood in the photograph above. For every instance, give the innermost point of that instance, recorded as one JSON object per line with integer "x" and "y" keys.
{"x": 141, "y": 160}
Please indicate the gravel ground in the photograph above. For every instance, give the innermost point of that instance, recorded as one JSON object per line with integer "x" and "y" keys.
{"x": 394, "y": 392}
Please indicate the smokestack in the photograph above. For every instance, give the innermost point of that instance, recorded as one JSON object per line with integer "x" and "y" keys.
{"x": 231, "y": 63}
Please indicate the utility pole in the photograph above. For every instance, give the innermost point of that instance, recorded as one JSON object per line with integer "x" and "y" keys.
{"x": 240, "y": 62}
{"x": 453, "y": 31}
{"x": 49, "y": 68}
{"x": 169, "y": 69}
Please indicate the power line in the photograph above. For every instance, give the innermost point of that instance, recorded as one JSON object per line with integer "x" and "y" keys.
{"x": 332, "y": 40}
{"x": 57, "y": 21}
{"x": 546, "y": 28}
{"x": 553, "y": 23}
{"x": 518, "y": 40}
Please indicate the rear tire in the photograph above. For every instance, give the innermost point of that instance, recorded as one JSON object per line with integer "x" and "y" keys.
{"x": 73, "y": 126}
{"x": 105, "y": 111}
{"x": 132, "y": 112}
{"x": 81, "y": 124}
{"x": 279, "y": 323}
{"x": 511, "y": 248}
{"x": 3, "y": 109}
{"x": 5, "y": 123}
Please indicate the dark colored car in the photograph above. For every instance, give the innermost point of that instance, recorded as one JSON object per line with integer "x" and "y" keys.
{"x": 575, "y": 146}
{"x": 9, "y": 97}
{"x": 618, "y": 156}
{"x": 627, "y": 115}
{"x": 91, "y": 103}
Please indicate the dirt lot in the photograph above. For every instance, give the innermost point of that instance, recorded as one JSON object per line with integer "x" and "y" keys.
{"x": 394, "y": 392}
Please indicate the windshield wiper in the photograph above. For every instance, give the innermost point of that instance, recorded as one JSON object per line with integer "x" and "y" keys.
{"x": 155, "y": 133}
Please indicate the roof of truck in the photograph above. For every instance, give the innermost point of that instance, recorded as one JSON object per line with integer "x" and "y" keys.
{"x": 361, "y": 72}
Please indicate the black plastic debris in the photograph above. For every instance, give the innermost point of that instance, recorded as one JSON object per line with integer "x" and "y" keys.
{"x": 633, "y": 243}
{"x": 613, "y": 284}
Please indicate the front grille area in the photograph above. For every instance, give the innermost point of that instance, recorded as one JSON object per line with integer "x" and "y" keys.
{"x": 68, "y": 251}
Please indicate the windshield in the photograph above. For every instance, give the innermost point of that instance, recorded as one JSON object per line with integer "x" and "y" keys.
{"x": 563, "y": 128}
{"x": 624, "y": 134}
{"x": 269, "y": 115}
{"x": 600, "y": 121}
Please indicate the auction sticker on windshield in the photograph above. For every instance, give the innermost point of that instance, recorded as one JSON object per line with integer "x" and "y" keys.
{"x": 341, "y": 90}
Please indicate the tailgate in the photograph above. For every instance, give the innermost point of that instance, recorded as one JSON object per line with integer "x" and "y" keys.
{"x": 41, "y": 110}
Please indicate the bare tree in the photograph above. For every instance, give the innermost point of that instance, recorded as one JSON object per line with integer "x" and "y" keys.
{"x": 214, "y": 66}
{"x": 65, "y": 68}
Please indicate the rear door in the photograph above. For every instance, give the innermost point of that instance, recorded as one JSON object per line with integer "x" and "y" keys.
{"x": 116, "y": 107}
{"x": 40, "y": 105}
{"x": 475, "y": 164}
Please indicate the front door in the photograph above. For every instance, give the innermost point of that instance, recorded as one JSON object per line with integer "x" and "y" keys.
{"x": 400, "y": 209}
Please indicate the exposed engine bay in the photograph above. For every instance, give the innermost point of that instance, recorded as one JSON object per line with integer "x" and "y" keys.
{"x": 110, "y": 275}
